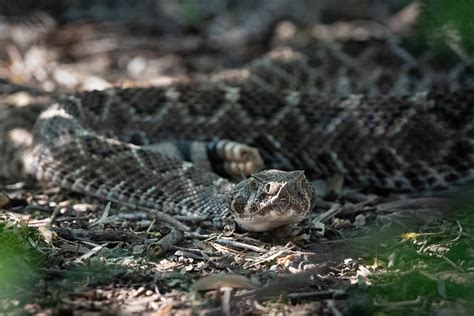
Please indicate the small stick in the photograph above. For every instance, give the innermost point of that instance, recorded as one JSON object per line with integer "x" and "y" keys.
{"x": 165, "y": 243}
{"x": 163, "y": 217}
{"x": 400, "y": 303}
{"x": 333, "y": 211}
{"x": 269, "y": 258}
{"x": 241, "y": 245}
{"x": 319, "y": 294}
{"x": 332, "y": 306}
{"x": 92, "y": 252}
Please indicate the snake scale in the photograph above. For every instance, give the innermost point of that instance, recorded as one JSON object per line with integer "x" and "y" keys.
{"x": 173, "y": 148}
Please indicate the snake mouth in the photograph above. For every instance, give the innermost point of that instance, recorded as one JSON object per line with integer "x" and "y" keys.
{"x": 271, "y": 219}
{"x": 278, "y": 212}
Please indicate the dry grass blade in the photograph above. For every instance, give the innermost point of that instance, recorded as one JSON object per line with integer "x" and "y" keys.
{"x": 92, "y": 252}
{"x": 102, "y": 217}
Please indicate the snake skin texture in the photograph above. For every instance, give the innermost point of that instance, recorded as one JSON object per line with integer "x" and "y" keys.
{"x": 397, "y": 138}
{"x": 402, "y": 143}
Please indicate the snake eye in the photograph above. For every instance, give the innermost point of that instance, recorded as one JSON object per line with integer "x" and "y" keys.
{"x": 253, "y": 183}
{"x": 267, "y": 187}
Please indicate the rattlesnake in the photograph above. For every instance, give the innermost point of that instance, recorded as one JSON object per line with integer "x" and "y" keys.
{"x": 128, "y": 144}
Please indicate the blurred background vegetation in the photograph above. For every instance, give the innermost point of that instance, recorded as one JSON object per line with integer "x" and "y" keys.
{"x": 447, "y": 25}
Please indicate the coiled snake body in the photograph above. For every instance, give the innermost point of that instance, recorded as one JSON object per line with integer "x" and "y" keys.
{"x": 130, "y": 146}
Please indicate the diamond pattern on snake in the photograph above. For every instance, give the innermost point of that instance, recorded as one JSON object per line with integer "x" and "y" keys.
{"x": 247, "y": 148}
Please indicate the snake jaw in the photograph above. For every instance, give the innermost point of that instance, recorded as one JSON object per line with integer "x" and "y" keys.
{"x": 270, "y": 199}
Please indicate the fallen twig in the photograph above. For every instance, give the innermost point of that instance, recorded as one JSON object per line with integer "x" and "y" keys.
{"x": 232, "y": 243}
{"x": 318, "y": 294}
{"x": 400, "y": 303}
{"x": 92, "y": 252}
{"x": 165, "y": 243}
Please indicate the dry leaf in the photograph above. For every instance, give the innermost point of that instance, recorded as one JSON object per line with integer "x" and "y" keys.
{"x": 285, "y": 260}
{"x": 378, "y": 264}
{"x": 409, "y": 236}
{"x": 47, "y": 234}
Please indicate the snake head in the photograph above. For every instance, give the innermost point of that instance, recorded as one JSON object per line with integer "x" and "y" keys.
{"x": 270, "y": 199}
